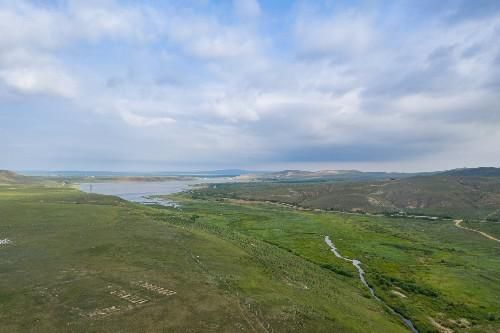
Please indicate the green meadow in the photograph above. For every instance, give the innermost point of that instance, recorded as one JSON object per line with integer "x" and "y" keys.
{"x": 79, "y": 262}
{"x": 439, "y": 276}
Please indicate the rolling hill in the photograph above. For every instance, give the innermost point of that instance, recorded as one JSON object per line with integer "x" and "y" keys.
{"x": 474, "y": 172}
{"x": 9, "y": 177}
{"x": 298, "y": 176}
{"x": 471, "y": 193}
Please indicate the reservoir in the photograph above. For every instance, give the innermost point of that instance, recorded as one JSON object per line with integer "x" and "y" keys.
{"x": 145, "y": 192}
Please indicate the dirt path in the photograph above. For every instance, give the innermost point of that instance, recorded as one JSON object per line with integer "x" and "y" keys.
{"x": 458, "y": 225}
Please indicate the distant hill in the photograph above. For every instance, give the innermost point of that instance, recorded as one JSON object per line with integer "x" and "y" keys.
{"x": 9, "y": 177}
{"x": 456, "y": 193}
{"x": 325, "y": 175}
{"x": 474, "y": 172}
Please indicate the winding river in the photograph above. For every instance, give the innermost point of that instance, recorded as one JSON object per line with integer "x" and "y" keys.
{"x": 356, "y": 263}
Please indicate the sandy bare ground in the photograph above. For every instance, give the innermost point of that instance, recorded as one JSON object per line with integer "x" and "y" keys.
{"x": 5, "y": 241}
{"x": 400, "y": 294}
{"x": 103, "y": 312}
{"x": 156, "y": 289}
{"x": 129, "y": 297}
{"x": 439, "y": 327}
{"x": 458, "y": 225}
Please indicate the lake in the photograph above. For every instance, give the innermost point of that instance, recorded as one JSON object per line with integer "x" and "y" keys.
{"x": 144, "y": 192}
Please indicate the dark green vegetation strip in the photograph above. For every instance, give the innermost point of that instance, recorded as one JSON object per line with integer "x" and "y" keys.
{"x": 78, "y": 263}
{"x": 424, "y": 269}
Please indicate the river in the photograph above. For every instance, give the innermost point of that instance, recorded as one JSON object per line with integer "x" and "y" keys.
{"x": 356, "y": 263}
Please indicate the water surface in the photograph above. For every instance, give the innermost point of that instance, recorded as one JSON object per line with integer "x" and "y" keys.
{"x": 146, "y": 192}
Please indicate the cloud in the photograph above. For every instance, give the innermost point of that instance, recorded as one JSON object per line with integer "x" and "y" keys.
{"x": 310, "y": 83}
{"x": 208, "y": 38}
{"x": 94, "y": 23}
{"x": 247, "y": 8}
{"x": 39, "y": 27}
{"x": 137, "y": 120}
{"x": 30, "y": 60}
{"x": 30, "y": 26}
{"x": 339, "y": 36}
{"x": 39, "y": 81}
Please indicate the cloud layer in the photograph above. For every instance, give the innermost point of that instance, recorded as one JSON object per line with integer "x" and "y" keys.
{"x": 196, "y": 84}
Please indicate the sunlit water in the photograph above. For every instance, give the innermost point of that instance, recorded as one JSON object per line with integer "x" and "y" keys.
{"x": 146, "y": 192}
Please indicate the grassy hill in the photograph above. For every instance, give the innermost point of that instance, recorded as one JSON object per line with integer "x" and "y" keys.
{"x": 455, "y": 193}
{"x": 299, "y": 176}
{"x": 474, "y": 172}
{"x": 9, "y": 177}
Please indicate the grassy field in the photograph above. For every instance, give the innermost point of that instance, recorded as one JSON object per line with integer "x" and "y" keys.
{"x": 79, "y": 262}
{"x": 430, "y": 271}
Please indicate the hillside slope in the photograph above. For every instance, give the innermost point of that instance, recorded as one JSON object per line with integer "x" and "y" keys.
{"x": 438, "y": 194}
{"x": 474, "y": 172}
{"x": 9, "y": 177}
{"x": 297, "y": 176}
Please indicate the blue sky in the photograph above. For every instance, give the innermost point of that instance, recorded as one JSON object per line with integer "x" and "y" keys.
{"x": 198, "y": 84}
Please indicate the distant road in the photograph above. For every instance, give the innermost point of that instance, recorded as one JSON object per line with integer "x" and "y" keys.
{"x": 457, "y": 224}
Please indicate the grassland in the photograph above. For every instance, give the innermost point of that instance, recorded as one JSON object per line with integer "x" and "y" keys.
{"x": 430, "y": 271}
{"x": 79, "y": 262}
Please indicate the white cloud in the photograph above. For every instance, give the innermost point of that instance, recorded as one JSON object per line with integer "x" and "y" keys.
{"x": 233, "y": 106}
{"x": 345, "y": 34}
{"x": 207, "y": 38}
{"x": 34, "y": 36}
{"x": 97, "y": 21}
{"x": 141, "y": 121}
{"x": 38, "y": 27}
{"x": 230, "y": 88}
{"x": 247, "y": 8}
{"x": 31, "y": 27}
{"x": 428, "y": 105}
{"x": 221, "y": 46}
{"x": 40, "y": 81}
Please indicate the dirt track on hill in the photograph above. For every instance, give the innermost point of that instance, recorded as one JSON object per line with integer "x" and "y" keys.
{"x": 457, "y": 224}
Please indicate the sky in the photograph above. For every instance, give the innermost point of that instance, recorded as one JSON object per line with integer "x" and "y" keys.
{"x": 198, "y": 85}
